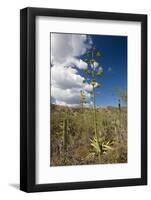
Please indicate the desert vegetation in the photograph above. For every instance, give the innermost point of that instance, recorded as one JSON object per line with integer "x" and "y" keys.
{"x": 73, "y": 140}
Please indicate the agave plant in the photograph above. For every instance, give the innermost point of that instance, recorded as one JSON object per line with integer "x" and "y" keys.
{"x": 93, "y": 73}
{"x": 100, "y": 146}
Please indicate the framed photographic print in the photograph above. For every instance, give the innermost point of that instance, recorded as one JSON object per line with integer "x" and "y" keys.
{"x": 83, "y": 99}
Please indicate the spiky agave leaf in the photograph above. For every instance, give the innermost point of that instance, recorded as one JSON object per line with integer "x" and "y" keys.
{"x": 106, "y": 147}
{"x": 95, "y": 145}
{"x": 100, "y": 145}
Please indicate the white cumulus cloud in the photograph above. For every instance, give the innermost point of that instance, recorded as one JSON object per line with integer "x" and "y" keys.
{"x": 66, "y": 83}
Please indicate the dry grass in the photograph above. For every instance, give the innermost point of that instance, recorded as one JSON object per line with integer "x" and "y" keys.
{"x": 72, "y": 129}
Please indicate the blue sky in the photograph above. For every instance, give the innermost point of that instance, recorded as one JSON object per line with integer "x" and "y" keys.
{"x": 113, "y": 55}
{"x": 69, "y": 49}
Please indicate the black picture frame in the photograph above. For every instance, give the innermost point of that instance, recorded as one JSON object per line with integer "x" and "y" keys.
{"x": 28, "y": 99}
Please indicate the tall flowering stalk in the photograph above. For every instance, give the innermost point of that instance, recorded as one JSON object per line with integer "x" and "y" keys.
{"x": 93, "y": 72}
{"x": 82, "y": 99}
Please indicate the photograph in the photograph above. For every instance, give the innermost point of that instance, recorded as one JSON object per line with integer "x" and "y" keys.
{"x": 83, "y": 99}
{"x": 88, "y": 99}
